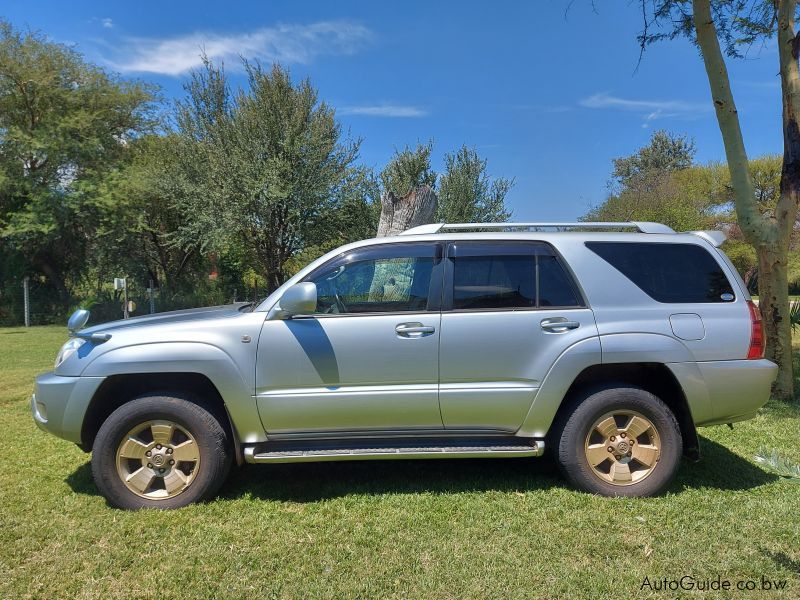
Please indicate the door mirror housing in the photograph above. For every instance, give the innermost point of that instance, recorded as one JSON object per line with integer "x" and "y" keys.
{"x": 300, "y": 299}
{"x": 77, "y": 320}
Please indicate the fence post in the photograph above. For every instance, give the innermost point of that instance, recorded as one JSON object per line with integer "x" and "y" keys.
{"x": 26, "y": 300}
{"x": 125, "y": 293}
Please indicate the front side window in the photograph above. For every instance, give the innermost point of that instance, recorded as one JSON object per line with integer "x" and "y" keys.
{"x": 509, "y": 276}
{"x": 377, "y": 279}
{"x": 670, "y": 273}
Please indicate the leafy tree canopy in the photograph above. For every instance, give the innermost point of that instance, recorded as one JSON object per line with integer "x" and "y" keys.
{"x": 409, "y": 168}
{"x": 466, "y": 192}
{"x": 264, "y": 169}
{"x": 666, "y": 152}
{"x": 64, "y": 125}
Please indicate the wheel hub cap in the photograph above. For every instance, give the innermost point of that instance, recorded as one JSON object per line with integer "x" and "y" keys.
{"x": 622, "y": 447}
{"x": 158, "y": 459}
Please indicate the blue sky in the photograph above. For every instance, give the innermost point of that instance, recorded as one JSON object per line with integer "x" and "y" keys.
{"x": 548, "y": 99}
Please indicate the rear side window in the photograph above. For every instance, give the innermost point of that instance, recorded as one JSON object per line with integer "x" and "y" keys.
{"x": 670, "y": 273}
{"x": 509, "y": 276}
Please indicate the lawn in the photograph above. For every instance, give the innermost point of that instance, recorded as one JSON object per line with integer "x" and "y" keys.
{"x": 435, "y": 529}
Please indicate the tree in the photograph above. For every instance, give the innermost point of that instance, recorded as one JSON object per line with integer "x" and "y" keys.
{"x": 64, "y": 126}
{"x": 408, "y": 169}
{"x": 144, "y": 246}
{"x": 466, "y": 192}
{"x": 656, "y": 183}
{"x": 408, "y": 198}
{"x": 737, "y": 22}
{"x": 665, "y": 153}
{"x": 263, "y": 170}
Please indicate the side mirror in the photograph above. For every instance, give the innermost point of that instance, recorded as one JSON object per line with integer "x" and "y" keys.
{"x": 300, "y": 299}
{"x": 77, "y": 320}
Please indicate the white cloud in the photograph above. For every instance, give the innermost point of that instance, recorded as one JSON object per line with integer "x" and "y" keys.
{"x": 383, "y": 110}
{"x": 649, "y": 109}
{"x": 107, "y": 22}
{"x": 282, "y": 43}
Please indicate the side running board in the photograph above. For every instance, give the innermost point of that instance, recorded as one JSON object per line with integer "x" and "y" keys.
{"x": 265, "y": 454}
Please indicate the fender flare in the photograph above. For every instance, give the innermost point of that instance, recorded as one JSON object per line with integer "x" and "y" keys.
{"x": 556, "y": 383}
{"x": 604, "y": 349}
{"x": 189, "y": 357}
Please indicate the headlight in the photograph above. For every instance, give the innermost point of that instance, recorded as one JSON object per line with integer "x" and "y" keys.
{"x": 68, "y": 350}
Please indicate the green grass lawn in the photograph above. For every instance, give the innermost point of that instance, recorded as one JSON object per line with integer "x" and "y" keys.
{"x": 431, "y": 529}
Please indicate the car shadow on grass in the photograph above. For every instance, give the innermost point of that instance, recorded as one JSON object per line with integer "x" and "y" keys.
{"x": 719, "y": 468}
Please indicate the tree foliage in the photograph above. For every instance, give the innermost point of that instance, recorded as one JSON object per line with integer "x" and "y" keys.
{"x": 466, "y": 192}
{"x": 264, "y": 170}
{"x": 739, "y": 23}
{"x": 665, "y": 153}
{"x": 655, "y": 184}
{"x": 65, "y": 125}
{"x": 409, "y": 168}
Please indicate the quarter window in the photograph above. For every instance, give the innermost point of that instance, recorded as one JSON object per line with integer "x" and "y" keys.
{"x": 670, "y": 273}
{"x": 509, "y": 276}
{"x": 377, "y": 279}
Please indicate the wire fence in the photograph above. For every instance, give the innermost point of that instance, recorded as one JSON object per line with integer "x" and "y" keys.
{"x": 32, "y": 302}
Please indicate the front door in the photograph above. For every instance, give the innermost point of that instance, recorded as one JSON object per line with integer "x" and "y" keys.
{"x": 367, "y": 360}
{"x": 510, "y": 309}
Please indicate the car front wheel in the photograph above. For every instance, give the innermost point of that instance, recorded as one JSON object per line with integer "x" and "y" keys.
{"x": 619, "y": 441}
{"x": 160, "y": 451}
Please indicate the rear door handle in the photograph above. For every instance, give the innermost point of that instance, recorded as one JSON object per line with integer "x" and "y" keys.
{"x": 558, "y": 325}
{"x": 414, "y": 330}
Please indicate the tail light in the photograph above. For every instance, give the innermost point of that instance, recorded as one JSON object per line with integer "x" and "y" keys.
{"x": 756, "y": 349}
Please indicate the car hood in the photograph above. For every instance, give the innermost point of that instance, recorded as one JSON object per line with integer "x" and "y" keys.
{"x": 168, "y": 318}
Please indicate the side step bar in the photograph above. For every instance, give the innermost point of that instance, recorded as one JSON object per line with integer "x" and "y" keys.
{"x": 262, "y": 454}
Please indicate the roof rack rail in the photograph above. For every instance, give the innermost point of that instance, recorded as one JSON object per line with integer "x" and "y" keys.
{"x": 641, "y": 226}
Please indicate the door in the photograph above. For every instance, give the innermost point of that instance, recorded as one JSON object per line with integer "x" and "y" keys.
{"x": 510, "y": 309}
{"x": 367, "y": 360}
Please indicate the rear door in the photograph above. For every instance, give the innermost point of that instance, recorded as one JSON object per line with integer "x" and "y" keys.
{"x": 509, "y": 310}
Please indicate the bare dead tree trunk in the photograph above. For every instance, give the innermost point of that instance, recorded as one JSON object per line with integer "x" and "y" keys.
{"x": 390, "y": 280}
{"x": 415, "y": 208}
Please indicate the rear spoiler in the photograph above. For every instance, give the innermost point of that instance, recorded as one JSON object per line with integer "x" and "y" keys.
{"x": 712, "y": 236}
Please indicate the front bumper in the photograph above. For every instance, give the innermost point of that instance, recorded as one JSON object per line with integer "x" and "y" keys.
{"x": 59, "y": 404}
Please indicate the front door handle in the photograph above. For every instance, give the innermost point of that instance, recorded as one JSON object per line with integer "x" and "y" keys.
{"x": 558, "y": 325}
{"x": 414, "y": 330}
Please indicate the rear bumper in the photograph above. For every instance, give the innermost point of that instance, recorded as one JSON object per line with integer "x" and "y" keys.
{"x": 727, "y": 390}
{"x": 59, "y": 404}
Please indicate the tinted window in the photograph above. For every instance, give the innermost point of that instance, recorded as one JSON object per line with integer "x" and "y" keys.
{"x": 673, "y": 273}
{"x": 489, "y": 276}
{"x": 555, "y": 286}
{"x": 494, "y": 282}
{"x": 377, "y": 279}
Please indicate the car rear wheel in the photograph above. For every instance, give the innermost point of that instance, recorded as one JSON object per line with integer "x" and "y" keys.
{"x": 619, "y": 441}
{"x": 160, "y": 451}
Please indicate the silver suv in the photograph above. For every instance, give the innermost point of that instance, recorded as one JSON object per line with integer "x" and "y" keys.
{"x": 606, "y": 343}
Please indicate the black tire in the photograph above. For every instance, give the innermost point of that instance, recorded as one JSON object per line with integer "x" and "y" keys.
{"x": 212, "y": 445}
{"x": 572, "y": 431}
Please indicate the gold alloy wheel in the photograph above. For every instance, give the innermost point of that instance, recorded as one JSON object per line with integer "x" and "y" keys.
{"x": 158, "y": 460}
{"x": 622, "y": 447}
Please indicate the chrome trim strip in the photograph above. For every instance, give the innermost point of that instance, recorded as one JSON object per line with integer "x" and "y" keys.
{"x": 289, "y": 456}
